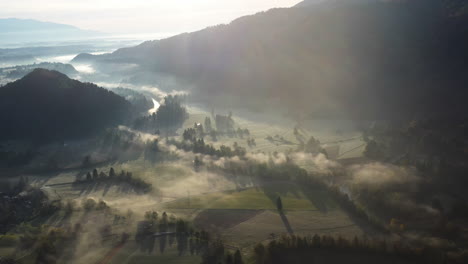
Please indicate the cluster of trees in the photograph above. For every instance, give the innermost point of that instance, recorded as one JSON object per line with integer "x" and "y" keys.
{"x": 154, "y": 153}
{"x": 114, "y": 178}
{"x": 437, "y": 149}
{"x": 169, "y": 116}
{"x": 350, "y": 206}
{"x": 432, "y": 145}
{"x": 216, "y": 253}
{"x": 251, "y": 142}
{"x": 22, "y": 203}
{"x": 296, "y": 249}
{"x": 90, "y": 204}
{"x": 199, "y": 146}
{"x": 155, "y": 228}
{"x": 169, "y": 231}
{"x": 266, "y": 171}
{"x": 49, "y": 244}
{"x": 312, "y": 145}
{"x": 200, "y": 132}
{"x": 117, "y": 140}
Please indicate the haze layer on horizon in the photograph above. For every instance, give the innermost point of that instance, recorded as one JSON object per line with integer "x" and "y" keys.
{"x": 138, "y": 16}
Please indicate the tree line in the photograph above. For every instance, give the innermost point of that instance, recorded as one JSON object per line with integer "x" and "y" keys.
{"x": 169, "y": 231}
{"x": 200, "y": 147}
{"x": 114, "y": 178}
{"x": 297, "y": 249}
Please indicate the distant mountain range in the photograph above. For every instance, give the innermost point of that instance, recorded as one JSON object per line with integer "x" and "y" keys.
{"x": 47, "y": 105}
{"x": 14, "y": 30}
{"x": 15, "y": 25}
{"x": 339, "y": 59}
{"x": 17, "y": 72}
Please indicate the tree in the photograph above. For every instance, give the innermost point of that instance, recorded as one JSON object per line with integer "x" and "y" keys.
{"x": 240, "y": 133}
{"x": 89, "y": 204}
{"x": 372, "y": 150}
{"x": 259, "y": 251}
{"x": 86, "y": 161}
{"x": 70, "y": 207}
{"x": 312, "y": 146}
{"x": 279, "y": 204}
{"x": 163, "y": 229}
{"x": 238, "y": 257}
{"x": 214, "y": 135}
{"x": 151, "y": 216}
{"x": 197, "y": 163}
{"x": 102, "y": 205}
{"x": 208, "y": 126}
{"x": 199, "y": 129}
{"x": 229, "y": 259}
{"x": 190, "y": 134}
{"x": 181, "y": 230}
{"x": 171, "y": 114}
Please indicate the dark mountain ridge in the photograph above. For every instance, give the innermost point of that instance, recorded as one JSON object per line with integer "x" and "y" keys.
{"x": 359, "y": 59}
{"x": 47, "y": 105}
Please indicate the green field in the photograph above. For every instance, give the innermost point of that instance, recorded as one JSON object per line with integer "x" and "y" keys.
{"x": 261, "y": 126}
{"x": 269, "y": 224}
{"x": 264, "y": 198}
{"x": 7, "y": 251}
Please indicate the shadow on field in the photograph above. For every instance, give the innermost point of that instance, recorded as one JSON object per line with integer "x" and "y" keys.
{"x": 215, "y": 219}
{"x": 286, "y": 223}
{"x": 317, "y": 197}
{"x": 273, "y": 190}
{"x": 86, "y": 188}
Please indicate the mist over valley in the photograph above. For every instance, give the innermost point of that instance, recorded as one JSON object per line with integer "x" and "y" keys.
{"x": 313, "y": 132}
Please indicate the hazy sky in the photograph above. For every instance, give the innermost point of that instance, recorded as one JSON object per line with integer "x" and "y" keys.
{"x": 137, "y": 16}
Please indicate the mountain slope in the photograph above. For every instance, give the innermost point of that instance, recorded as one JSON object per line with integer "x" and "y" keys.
{"x": 364, "y": 59}
{"x": 47, "y": 105}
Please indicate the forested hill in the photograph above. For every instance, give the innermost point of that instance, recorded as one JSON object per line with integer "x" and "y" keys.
{"x": 47, "y": 105}
{"x": 359, "y": 59}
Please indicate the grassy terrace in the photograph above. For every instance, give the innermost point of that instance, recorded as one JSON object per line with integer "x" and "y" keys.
{"x": 262, "y": 198}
